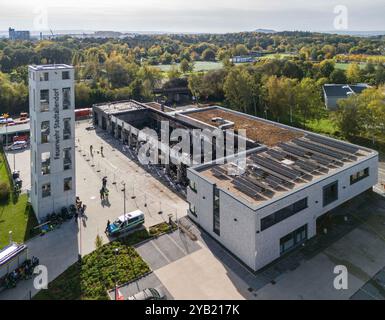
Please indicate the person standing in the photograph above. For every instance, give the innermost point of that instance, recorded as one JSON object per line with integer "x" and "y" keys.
{"x": 104, "y": 182}
{"x": 91, "y": 150}
{"x": 101, "y": 151}
{"x": 108, "y": 226}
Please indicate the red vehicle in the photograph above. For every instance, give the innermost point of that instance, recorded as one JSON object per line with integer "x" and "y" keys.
{"x": 20, "y": 138}
{"x": 82, "y": 113}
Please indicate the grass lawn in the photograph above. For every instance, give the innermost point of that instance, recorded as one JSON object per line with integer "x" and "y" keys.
{"x": 97, "y": 272}
{"x": 278, "y": 55}
{"x": 198, "y": 66}
{"x": 323, "y": 126}
{"x": 16, "y": 215}
{"x": 344, "y": 66}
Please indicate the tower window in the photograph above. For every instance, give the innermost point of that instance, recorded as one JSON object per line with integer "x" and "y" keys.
{"x": 66, "y": 98}
{"x": 46, "y": 190}
{"x": 45, "y": 132}
{"x": 44, "y": 100}
{"x": 45, "y": 163}
{"x": 65, "y": 75}
{"x": 67, "y": 162}
{"x": 67, "y": 184}
{"x": 67, "y": 128}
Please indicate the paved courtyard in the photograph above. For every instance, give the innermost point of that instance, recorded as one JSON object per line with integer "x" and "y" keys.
{"x": 204, "y": 269}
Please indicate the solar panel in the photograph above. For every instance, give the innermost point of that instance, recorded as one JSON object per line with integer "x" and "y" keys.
{"x": 320, "y": 149}
{"x": 272, "y": 182}
{"x": 335, "y": 144}
{"x": 248, "y": 184}
{"x": 292, "y": 149}
{"x": 219, "y": 173}
{"x": 275, "y": 166}
{"x": 322, "y": 160}
{"x": 276, "y": 154}
{"x": 306, "y": 165}
{"x": 255, "y": 182}
{"x": 245, "y": 189}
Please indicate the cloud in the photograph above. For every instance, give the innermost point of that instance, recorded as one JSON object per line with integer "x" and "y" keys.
{"x": 192, "y": 16}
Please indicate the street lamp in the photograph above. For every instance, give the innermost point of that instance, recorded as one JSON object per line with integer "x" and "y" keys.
{"x": 124, "y": 197}
{"x": 116, "y": 276}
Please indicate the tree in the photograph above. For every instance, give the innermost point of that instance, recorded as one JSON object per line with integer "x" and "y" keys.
{"x": 186, "y": 66}
{"x": 195, "y": 84}
{"x": 55, "y": 54}
{"x": 208, "y": 55}
{"x": 363, "y": 114}
{"x": 279, "y": 96}
{"x": 82, "y": 94}
{"x": 338, "y": 76}
{"x": 240, "y": 50}
{"x": 380, "y": 74}
{"x": 353, "y": 73}
{"x": 326, "y": 67}
{"x": 13, "y": 95}
{"x": 347, "y": 116}
{"x": 308, "y": 102}
{"x": 238, "y": 89}
{"x": 173, "y": 73}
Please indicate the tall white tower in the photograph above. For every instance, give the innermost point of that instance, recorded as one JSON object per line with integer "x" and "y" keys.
{"x": 52, "y": 118}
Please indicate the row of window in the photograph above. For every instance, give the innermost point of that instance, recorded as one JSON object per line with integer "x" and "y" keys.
{"x": 46, "y": 161}
{"x": 44, "y": 99}
{"x": 44, "y": 76}
{"x": 330, "y": 194}
{"x": 358, "y": 176}
{"x": 282, "y": 214}
{"x": 46, "y": 187}
{"x": 45, "y": 130}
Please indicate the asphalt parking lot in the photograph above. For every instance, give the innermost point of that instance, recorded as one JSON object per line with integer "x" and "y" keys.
{"x": 374, "y": 289}
{"x": 166, "y": 249}
{"x": 149, "y": 281}
{"x": 158, "y": 253}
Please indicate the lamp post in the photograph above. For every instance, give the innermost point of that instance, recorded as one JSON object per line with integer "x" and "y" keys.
{"x": 116, "y": 277}
{"x": 124, "y": 197}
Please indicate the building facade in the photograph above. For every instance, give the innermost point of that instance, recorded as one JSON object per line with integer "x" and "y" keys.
{"x": 52, "y": 120}
{"x": 283, "y": 196}
{"x": 18, "y": 35}
{"x": 335, "y": 92}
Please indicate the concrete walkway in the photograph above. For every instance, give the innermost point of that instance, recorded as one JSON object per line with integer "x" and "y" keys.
{"x": 59, "y": 249}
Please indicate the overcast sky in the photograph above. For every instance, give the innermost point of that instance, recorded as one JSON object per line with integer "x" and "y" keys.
{"x": 188, "y": 16}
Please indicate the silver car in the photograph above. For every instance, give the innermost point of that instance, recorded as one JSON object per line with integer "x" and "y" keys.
{"x": 149, "y": 294}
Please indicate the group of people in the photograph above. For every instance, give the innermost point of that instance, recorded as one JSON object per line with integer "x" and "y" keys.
{"x": 92, "y": 151}
{"x": 80, "y": 208}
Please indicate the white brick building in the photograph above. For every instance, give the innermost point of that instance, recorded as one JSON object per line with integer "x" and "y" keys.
{"x": 51, "y": 106}
{"x": 284, "y": 194}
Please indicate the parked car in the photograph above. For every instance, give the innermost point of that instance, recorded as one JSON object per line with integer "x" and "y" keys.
{"x": 18, "y": 145}
{"x": 125, "y": 223}
{"x": 6, "y": 120}
{"x": 149, "y": 294}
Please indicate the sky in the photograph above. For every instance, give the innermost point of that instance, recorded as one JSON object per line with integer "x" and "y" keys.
{"x": 216, "y": 16}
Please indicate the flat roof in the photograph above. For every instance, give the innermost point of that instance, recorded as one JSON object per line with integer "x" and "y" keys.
{"x": 50, "y": 67}
{"x": 118, "y": 107}
{"x": 342, "y": 90}
{"x": 158, "y": 106}
{"x": 273, "y": 171}
{"x": 258, "y": 130}
{"x": 25, "y": 127}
